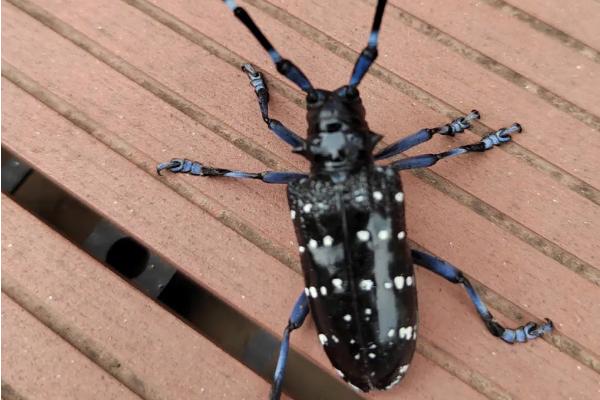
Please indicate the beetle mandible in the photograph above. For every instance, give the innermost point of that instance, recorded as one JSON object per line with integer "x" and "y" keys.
{"x": 349, "y": 219}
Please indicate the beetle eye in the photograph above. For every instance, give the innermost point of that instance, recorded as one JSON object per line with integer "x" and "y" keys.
{"x": 352, "y": 93}
{"x": 312, "y": 97}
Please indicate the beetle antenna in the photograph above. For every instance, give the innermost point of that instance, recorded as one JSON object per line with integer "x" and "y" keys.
{"x": 284, "y": 66}
{"x": 369, "y": 54}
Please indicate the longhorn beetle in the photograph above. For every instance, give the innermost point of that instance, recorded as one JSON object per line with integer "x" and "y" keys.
{"x": 349, "y": 219}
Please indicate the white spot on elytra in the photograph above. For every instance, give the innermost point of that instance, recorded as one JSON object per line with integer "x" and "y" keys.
{"x": 409, "y": 280}
{"x": 401, "y": 235}
{"x": 405, "y": 332}
{"x": 357, "y": 356}
{"x": 323, "y": 291}
{"x": 293, "y": 214}
{"x": 355, "y": 388}
{"x": 360, "y": 198}
{"x": 373, "y": 346}
{"x": 313, "y": 292}
{"x": 307, "y": 207}
{"x": 301, "y": 249}
{"x": 402, "y": 332}
{"x": 323, "y": 339}
{"x": 393, "y": 383}
{"x": 371, "y": 355}
{"x": 399, "y": 282}
{"x": 352, "y": 341}
{"x": 391, "y": 333}
{"x": 377, "y": 195}
{"x": 399, "y": 197}
{"x": 337, "y": 284}
{"x": 306, "y": 291}
{"x": 363, "y": 236}
{"x": 312, "y": 243}
{"x": 368, "y": 311}
{"x": 335, "y": 339}
{"x": 327, "y": 241}
{"x": 365, "y": 284}
{"x": 383, "y": 235}
{"x": 347, "y": 318}
{"x": 388, "y": 285}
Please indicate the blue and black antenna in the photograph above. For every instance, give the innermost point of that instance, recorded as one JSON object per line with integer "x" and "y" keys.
{"x": 369, "y": 54}
{"x": 284, "y": 66}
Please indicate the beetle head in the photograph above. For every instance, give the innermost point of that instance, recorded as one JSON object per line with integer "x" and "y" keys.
{"x": 338, "y": 135}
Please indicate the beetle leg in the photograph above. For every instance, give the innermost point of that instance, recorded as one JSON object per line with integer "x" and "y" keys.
{"x": 489, "y": 141}
{"x": 299, "y": 313}
{"x": 262, "y": 92}
{"x": 180, "y": 165}
{"x": 457, "y": 126}
{"x": 526, "y": 332}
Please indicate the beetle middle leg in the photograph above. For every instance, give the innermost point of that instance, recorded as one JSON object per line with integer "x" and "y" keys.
{"x": 526, "y": 332}
{"x": 262, "y": 93}
{"x": 299, "y": 313}
{"x": 488, "y": 142}
{"x": 181, "y": 165}
{"x": 457, "y": 126}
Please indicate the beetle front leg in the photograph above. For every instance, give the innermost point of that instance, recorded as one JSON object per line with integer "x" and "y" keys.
{"x": 299, "y": 313}
{"x": 457, "y": 126}
{"x": 526, "y": 332}
{"x": 497, "y": 138}
{"x": 261, "y": 89}
{"x": 181, "y": 165}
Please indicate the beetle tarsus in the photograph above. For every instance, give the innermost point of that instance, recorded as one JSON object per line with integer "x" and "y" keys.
{"x": 501, "y": 136}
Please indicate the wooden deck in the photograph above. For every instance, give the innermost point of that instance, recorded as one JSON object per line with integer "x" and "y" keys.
{"x": 94, "y": 96}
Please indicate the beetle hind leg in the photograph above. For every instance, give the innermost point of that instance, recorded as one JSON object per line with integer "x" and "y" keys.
{"x": 299, "y": 313}
{"x": 522, "y": 334}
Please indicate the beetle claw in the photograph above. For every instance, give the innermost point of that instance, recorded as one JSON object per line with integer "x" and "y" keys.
{"x": 171, "y": 165}
{"x": 181, "y": 165}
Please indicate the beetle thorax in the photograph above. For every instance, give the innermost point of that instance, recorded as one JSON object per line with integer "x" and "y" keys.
{"x": 338, "y": 135}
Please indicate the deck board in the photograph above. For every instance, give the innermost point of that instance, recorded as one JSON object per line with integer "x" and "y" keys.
{"x": 38, "y": 364}
{"x": 539, "y": 57}
{"x": 146, "y": 92}
{"x": 115, "y": 326}
{"x": 581, "y": 23}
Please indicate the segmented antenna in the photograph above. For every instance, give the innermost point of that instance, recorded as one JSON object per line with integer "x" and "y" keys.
{"x": 369, "y": 54}
{"x": 284, "y": 66}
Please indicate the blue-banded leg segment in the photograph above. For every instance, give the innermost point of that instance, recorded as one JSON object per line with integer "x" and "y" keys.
{"x": 182, "y": 165}
{"x": 285, "y": 67}
{"x": 489, "y": 141}
{"x": 526, "y": 332}
{"x": 299, "y": 313}
{"x": 457, "y": 126}
{"x": 261, "y": 89}
{"x": 369, "y": 53}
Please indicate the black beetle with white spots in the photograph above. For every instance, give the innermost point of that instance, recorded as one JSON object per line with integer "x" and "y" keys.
{"x": 350, "y": 222}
